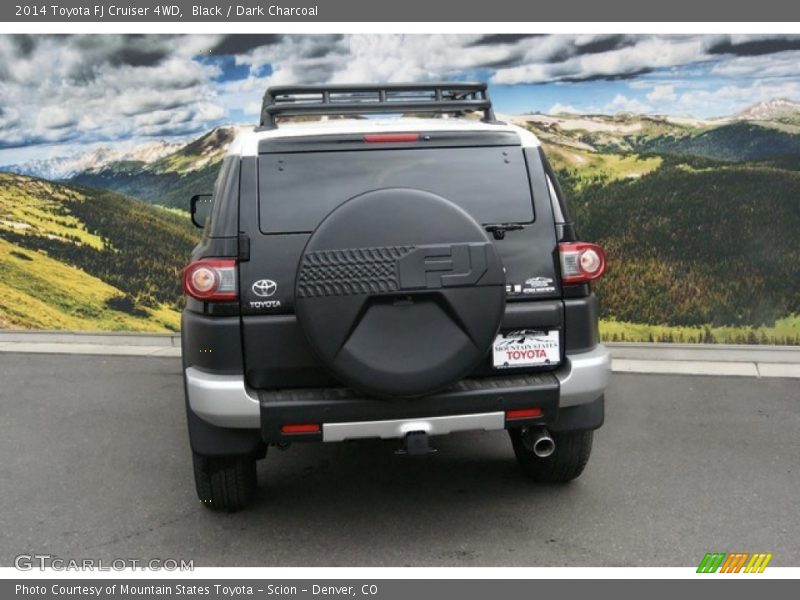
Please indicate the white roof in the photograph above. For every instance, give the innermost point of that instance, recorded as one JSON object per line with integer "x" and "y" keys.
{"x": 246, "y": 143}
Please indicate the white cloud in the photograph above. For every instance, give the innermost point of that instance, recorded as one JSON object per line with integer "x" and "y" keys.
{"x": 411, "y": 57}
{"x": 645, "y": 54}
{"x": 100, "y": 88}
{"x": 622, "y": 103}
{"x": 55, "y": 117}
{"x": 421, "y": 58}
{"x": 86, "y": 89}
{"x": 662, "y": 93}
{"x": 781, "y": 64}
{"x": 729, "y": 99}
{"x": 563, "y": 109}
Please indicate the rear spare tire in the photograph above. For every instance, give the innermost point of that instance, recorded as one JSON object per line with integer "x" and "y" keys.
{"x": 400, "y": 292}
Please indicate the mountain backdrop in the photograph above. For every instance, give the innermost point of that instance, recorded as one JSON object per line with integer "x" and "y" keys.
{"x": 700, "y": 219}
{"x": 84, "y": 258}
{"x": 64, "y": 167}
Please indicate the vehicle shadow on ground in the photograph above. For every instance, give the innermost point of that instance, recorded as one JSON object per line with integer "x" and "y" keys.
{"x": 364, "y": 490}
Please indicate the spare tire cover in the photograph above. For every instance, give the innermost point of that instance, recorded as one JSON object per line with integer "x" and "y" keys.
{"x": 400, "y": 292}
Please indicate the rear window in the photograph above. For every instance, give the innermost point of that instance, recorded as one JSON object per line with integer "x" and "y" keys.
{"x": 298, "y": 190}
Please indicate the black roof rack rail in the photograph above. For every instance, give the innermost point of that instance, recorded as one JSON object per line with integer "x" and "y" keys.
{"x": 440, "y": 97}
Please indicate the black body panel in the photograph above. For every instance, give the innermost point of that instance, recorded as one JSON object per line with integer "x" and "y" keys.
{"x": 212, "y": 441}
{"x": 224, "y": 218}
{"x": 529, "y": 315}
{"x": 207, "y": 439}
{"x": 284, "y": 357}
{"x": 212, "y": 343}
{"x": 210, "y": 247}
{"x": 582, "y": 417}
{"x": 287, "y": 361}
{"x": 580, "y": 324}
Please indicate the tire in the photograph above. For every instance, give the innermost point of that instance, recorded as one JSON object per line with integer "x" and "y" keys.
{"x": 572, "y": 450}
{"x": 225, "y": 483}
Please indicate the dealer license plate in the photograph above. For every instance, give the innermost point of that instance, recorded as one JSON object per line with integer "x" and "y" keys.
{"x": 526, "y": 348}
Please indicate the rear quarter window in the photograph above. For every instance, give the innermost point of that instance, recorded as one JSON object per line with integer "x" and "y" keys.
{"x": 298, "y": 190}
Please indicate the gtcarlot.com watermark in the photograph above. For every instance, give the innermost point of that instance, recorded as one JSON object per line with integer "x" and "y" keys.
{"x": 42, "y": 562}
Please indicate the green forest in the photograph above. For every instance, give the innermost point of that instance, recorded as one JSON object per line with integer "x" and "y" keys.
{"x": 84, "y": 258}
{"x": 699, "y": 219}
{"x": 169, "y": 181}
{"x": 697, "y": 245}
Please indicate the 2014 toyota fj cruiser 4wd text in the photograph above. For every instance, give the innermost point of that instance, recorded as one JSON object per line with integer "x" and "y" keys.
{"x": 388, "y": 278}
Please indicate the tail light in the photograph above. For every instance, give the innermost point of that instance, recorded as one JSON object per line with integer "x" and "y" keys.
{"x": 581, "y": 262}
{"x": 524, "y": 413}
{"x": 300, "y": 428}
{"x": 210, "y": 279}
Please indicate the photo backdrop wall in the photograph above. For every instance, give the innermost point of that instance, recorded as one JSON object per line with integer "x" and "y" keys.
{"x": 680, "y": 154}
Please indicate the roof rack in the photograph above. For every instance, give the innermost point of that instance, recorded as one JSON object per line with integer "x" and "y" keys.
{"x": 442, "y": 97}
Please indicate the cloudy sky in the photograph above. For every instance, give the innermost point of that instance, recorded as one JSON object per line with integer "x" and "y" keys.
{"x": 64, "y": 94}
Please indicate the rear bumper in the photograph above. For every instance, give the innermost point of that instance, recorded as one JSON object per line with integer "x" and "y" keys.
{"x": 469, "y": 404}
{"x": 225, "y": 401}
{"x": 222, "y": 400}
{"x": 584, "y": 377}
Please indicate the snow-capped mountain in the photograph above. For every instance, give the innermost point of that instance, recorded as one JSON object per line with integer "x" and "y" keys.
{"x": 169, "y": 180}
{"x": 769, "y": 110}
{"x": 64, "y": 167}
{"x": 202, "y": 152}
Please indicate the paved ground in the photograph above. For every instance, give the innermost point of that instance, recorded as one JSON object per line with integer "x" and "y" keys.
{"x": 95, "y": 463}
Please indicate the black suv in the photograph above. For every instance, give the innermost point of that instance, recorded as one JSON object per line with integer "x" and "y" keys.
{"x": 364, "y": 277}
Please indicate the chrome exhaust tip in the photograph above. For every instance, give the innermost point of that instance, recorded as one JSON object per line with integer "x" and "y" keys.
{"x": 539, "y": 441}
{"x": 544, "y": 446}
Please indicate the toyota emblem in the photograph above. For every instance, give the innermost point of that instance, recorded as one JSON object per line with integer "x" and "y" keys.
{"x": 265, "y": 288}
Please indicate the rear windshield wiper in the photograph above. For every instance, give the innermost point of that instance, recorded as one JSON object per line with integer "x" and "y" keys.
{"x": 498, "y": 230}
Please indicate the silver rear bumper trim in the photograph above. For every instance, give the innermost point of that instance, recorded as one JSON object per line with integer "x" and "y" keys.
{"x": 585, "y": 377}
{"x": 399, "y": 428}
{"x": 225, "y": 401}
{"x": 222, "y": 400}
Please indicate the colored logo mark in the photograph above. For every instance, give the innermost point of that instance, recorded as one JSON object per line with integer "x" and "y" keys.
{"x": 736, "y": 562}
